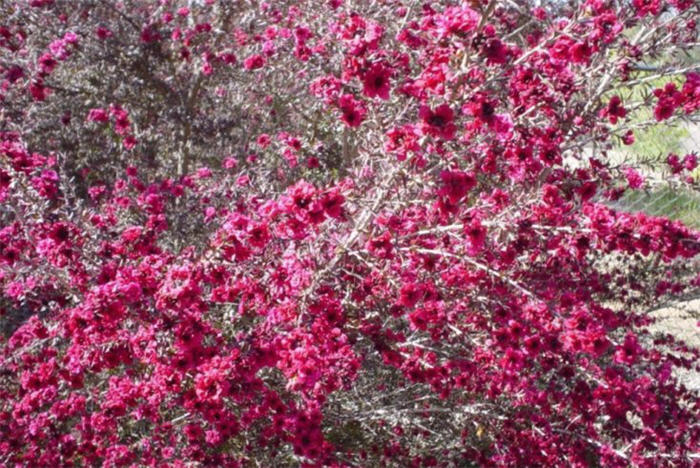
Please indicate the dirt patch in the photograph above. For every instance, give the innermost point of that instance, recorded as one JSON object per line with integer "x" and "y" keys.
{"x": 681, "y": 321}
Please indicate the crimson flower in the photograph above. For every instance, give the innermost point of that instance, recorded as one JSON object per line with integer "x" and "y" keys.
{"x": 614, "y": 110}
{"x": 376, "y": 82}
{"x": 353, "y": 110}
{"x": 98, "y": 115}
{"x": 438, "y": 122}
{"x": 254, "y": 62}
{"x": 496, "y": 52}
{"x": 456, "y": 184}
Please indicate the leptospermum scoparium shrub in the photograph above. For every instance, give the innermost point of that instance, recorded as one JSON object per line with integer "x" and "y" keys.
{"x": 339, "y": 233}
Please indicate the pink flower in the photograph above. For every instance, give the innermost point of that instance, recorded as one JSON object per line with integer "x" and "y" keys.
{"x": 263, "y": 140}
{"x": 204, "y": 173}
{"x": 634, "y": 179}
{"x": 326, "y": 87}
{"x": 628, "y": 138}
{"x": 690, "y": 161}
{"x": 129, "y": 142}
{"x": 132, "y": 233}
{"x": 98, "y": 115}
{"x": 457, "y": 21}
{"x": 70, "y": 37}
{"x": 254, "y": 62}
{"x": 46, "y": 184}
{"x": 14, "y": 289}
{"x": 58, "y": 49}
{"x": 47, "y": 63}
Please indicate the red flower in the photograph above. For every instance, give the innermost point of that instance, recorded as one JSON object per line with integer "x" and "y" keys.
{"x": 496, "y": 52}
{"x": 581, "y": 52}
{"x": 14, "y": 73}
{"x": 476, "y": 234}
{"x": 628, "y": 352}
{"x": 647, "y": 7}
{"x": 129, "y": 142}
{"x": 333, "y": 204}
{"x": 411, "y": 294}
{"x": 353, "y": 110}
{"x": 438, "y": 122}
{"x": 38, "y": 90}
{"x": 376, "y": 82}
{"x": 484, "y": 111}
{"x": 150, "y": 34}
{"x": 663, "y": 110}
{"x": 614, "y": 110}
{"x": 669, "y": 99}
{"x": 102, "y": 33}
{"x": 587, "y": 190}
{"x": 381, "y": 246}
{"x": 456, "y": 184}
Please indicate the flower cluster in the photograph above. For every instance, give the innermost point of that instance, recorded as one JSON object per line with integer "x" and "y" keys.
{"x": 339, "y": 234}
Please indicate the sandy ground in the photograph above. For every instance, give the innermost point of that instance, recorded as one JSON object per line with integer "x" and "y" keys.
{"x": 682, "y": 322}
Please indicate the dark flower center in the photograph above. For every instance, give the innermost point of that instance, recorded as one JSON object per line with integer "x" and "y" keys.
{"x": 62, "y": 233}
{"x": 486, "y": 109}
{"x": 436, "y": 120}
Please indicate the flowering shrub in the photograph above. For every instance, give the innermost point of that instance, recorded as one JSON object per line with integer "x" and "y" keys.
{"x": 337, "y": 234}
